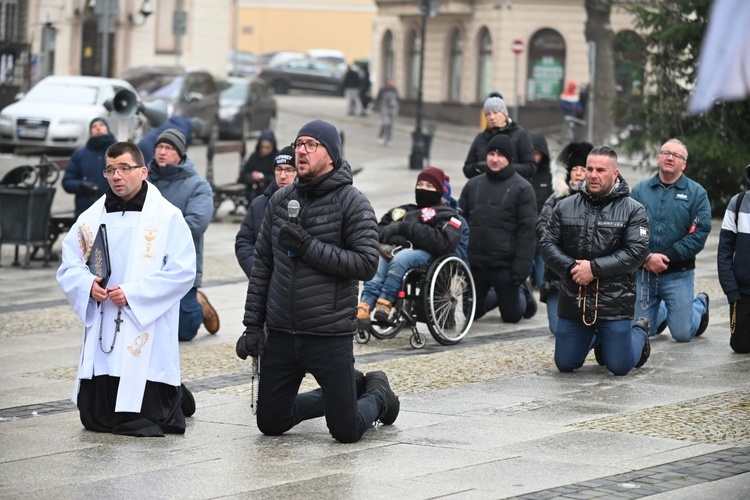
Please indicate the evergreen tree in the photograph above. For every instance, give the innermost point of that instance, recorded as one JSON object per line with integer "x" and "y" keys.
{"x": 718, "y": 142}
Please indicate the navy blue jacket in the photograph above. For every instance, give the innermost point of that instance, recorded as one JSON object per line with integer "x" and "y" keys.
{"x": 244, "y": 242}
{"x": 87, "y": 164}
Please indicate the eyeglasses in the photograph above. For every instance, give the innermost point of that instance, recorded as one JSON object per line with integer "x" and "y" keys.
{"x": 310, "y": 146}
{"x": 674, "y": 155}
{"x": 287, "y": 171}
{"x": 165, "y": 147}
{"x": 123, "y": 169}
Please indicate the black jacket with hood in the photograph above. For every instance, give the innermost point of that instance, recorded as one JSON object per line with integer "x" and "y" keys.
{"x": 314, "y": 293}
{"x": 523, "y": 152}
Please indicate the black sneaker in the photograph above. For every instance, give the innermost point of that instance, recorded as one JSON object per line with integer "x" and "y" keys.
{"x": 378, "y": 382}
{"x": 704, "y": 319}
{"x": 642, "y": 323}
{"x": 531, "y": 306}
{"x": 599, "y": 355}
{"x": 188, "y": 401}
{"x": 662, "y": 326}
{"x": 359, "y": 381}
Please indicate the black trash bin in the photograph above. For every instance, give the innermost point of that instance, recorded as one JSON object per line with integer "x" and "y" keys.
{"x": 24, "y": 219}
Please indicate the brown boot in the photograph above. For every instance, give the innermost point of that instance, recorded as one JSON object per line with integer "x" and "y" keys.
{"x": 210, "y": 318}
{"x": 382, "y": 310}
{"x": 363, "y": 311}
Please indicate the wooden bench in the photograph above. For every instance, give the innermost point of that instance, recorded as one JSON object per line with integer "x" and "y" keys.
{"x": 235, "y": 192}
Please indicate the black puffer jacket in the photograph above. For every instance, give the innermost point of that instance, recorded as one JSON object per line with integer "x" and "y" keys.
{"x": 523, "y": 160}
{"x": 244, "y": 242}
{"x": 501, "y": 210}
{"x": 314, "y": 293}
{"x": 612, "y": 232}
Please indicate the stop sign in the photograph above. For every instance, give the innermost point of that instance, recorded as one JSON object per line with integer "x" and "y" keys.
{"x": 516, "y": 46}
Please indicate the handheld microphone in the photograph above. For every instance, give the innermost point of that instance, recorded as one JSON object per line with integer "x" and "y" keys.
{"x": 293, "y": 210}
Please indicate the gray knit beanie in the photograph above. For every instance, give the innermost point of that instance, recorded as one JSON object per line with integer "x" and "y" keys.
{"x": 174, "y": 138}
{"x": 495, "y": 104}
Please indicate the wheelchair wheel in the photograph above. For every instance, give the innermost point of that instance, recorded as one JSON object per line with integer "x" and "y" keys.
{"x": 382, "y": 331}
{"x": 449, "y": 300}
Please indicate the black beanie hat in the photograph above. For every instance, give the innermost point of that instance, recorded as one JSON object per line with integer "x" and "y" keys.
{"x": 574, "y": 155}
{"x": 175, "y": 138}
{"x": 285, "y": 157}
{"x": 503, "y": 145}
{"x": 327, "y": 134}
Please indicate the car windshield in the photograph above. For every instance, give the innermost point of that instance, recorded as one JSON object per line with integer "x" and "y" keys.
{"x": 62, "y": 93}
{"x": 237, "y": 91}
{"x": 161, "y": 86}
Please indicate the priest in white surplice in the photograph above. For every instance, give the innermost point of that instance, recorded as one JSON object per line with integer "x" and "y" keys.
{"x": 129, "y": 372}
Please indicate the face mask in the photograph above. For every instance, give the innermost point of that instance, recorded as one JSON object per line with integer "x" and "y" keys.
{"x": 427, "y": 198}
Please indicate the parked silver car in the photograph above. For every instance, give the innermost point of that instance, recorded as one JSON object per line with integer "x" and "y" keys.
{"x": 54, "y": 116}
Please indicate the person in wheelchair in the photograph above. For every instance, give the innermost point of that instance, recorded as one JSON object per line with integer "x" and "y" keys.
{"x": 410, "y": 236}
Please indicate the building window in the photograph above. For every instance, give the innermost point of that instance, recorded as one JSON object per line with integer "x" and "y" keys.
{"x": 546, "y": 66}
{"x": 8, "y": 21}
{"x": 484, "y": 76}
{"x": 388, "y": 57}
{"x": 455, "y": 66}
{"x": 165, "y": 39}
{"x": 414, "y": 58}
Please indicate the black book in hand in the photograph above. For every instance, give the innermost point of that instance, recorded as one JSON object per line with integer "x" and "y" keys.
{"x": 98, "y": 261}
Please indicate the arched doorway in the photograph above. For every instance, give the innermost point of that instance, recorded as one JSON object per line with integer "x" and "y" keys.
{"x": 387, "y": 56}
{"x": 484, "y": 59}
{"x": 546, "y": 66}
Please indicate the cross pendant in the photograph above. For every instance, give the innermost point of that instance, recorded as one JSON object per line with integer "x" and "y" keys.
{"x": 118, "y": 320}
{"x": 581, "y": 297}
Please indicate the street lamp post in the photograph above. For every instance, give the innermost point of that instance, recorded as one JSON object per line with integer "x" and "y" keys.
{"x": 419, "y": 139}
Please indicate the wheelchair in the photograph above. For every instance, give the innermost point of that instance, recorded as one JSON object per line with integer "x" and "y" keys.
{"x": 440, "y": 294}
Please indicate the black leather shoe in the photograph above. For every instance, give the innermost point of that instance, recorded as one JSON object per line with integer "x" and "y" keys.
{"x": 378, "y": 382}
{"x": 642, "y": 323}
{"x": 188, "y": 402}
{"x": 704, "y": 319}
{"x": 531, "y": 305}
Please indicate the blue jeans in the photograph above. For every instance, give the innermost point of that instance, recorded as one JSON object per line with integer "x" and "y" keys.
{"x": 286, "y": 358}
{"x": 511, "y": 301}
{"x": 622, "y": 344}
{"x": 191, "y": 316}
{"x": 675, "y": 290}
{"x": 387, "y": 280}
{"x": 537, "y": 269}
{"x": 553, "y": 299}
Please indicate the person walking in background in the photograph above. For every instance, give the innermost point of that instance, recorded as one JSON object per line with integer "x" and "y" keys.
{"x": 128, "y": 379}
{"x": 595, "y": 240}
{"x": 680, "y": 217}
{"x": 244, "y": 244}
{"x": 351, "y": 92}
{"x": 501, "y": 210}
{"x": 734, "y": 267}
{"x": 568, "y": 172}
{"x": 388, "y": 102}
{"x": 257, "y": 172}
{"x": 83, "y": 174}
{"x": 174, "y": 173}
{"x": 499, "y": 123}
{"x": 572, "y": 109}
{"x": 430, "y": 228}
{"x": 303, "y": 292}
{"x": 365, "y": 88}
{"x": 541, "y": 181}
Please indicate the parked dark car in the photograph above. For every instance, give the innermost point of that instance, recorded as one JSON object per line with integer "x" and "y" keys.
{"x": 192, "y": 93}
{"x": 245, "y": 105}
{"x": 304, "y": 74}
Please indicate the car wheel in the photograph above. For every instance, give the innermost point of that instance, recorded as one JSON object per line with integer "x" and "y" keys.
{"x": 280, "y": 87}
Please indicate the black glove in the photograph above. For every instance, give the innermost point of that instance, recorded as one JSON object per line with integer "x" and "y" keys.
{"x": 293, "y": 238}
{"x": 89, "y": 188}
{"x": 480, "y": 167}
{"x": 399, "y": 241}
{"x": 389, "y": 231}
{"x": 251, "y": 343}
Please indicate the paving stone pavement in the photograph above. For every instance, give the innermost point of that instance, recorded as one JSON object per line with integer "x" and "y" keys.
{"x": 488, "y": 418}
